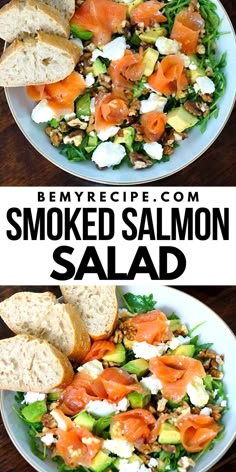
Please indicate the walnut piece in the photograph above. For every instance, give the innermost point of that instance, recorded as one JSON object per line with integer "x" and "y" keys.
{"x": 139, "y": 161}
{"x": 55, "y": 136}
{"x": 75, "y": 137}
{"x": 193, "y": 107}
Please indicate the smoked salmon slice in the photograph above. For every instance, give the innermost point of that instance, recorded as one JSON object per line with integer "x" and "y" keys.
{"x": 60, "y": 95}
{"x": 127, "y": 70}
{"x": 78, "y": 446}
{"x": 137, "y": 426}
{"x": 98, "y": 350}
{"x": 152, "y": 327}
{"x": 109, "y": 111}
{"x": 186, "y": 30}
{"x": 118, "y": 383}
{"x": 153, "y": 125}
{"x": 197, "y": 431}
{"x": 102, "y": 18}
{"x": 169, "y": 77}
{"x": 148, "y": 13}
{"x": 175, "y": 373}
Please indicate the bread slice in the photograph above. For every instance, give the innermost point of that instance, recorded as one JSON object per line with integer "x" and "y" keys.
{"x": 97, "y": 307}
{"x": 39, "y": 315}
{"x": 20, "y": 17}
{"x": 29, "y": 364}
{"x": 65, "y": 7}
{"x": 45, "y": 59}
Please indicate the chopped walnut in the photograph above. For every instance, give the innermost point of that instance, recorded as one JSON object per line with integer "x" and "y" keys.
{"x": 216, "y": 373}
{"x": 168, "y": 150}
{"x": 77, "y": 123}
{"x": 209, "y": 71}
{"x": 118, "y": 336}
{"x": 125, "y": 28}
{"x": 185, "y": 463}
{"x": 48, "y": 421}
{"x": 64, "y": 127}
{"x": 207, "y": 354}
{"x": 105, "y": 81}
{"x": 91, "y": 123}
{"x": 75, "y": 137}
{"x": 195, "y": 410}
{"x": 183, "y": 330}
{"x": 169, "y": 448}
{"x": 55, "y": 136}
{"x": 134, "y": 107}
{"x": 201, "y": 49}
{"x": 161, "y": 404}
{"x": 139, "y": 132}
{"x": 139, "y": 161}
{"x": 128, "y": 331}
{"x": 206, "y": 97}
{"x": 220, "y": 360}
{"x": 168, "y": 137}
{"x": 216, "y": 411}
{"x": 193, "y": 6}
{"x": 150, "y": 448}
{"x": 193, "y": 107}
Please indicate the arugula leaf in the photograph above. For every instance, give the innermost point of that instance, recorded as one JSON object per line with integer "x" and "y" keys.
{"x": 19, "y": 397}
{"x": 138, "y": 303}
{"x": 195, "y": 327}
{"x": 139, "y": 87}
{"x": 200, "y": 347}
{"x": 101, "y": 425}
{"x": 173, "y": 316}
{"x": 54, "y": 123}
{"x": 40, "y": 452}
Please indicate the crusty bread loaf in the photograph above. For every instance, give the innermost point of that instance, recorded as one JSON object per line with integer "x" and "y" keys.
{"x": 39, "y": 315}
{"x": 45, "y": 59}
{"x": 20, "y": 17}
{"x": 97, "y": 306}
{"x": 29, "y": 364}
{"x": 65, "y": 7}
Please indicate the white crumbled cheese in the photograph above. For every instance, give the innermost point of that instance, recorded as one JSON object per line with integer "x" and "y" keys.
{"x": 120, "y": 447}
{"x": 178, "y": 137}
{"x": 92, "y": 105}
{"x": 89, "y": 79}
{"x": 84, "y": 117}
{"x": 197, "y": 392}
{"x": 96, "y": 53}
{"x": 125, "y": 466}
{"x": 154, "y": 102}
{"x": 69, "y": 116}
{"x": 48, "y": 439}
{"x": 215, "y": 392}
{"x": 147, "y": 86}
{"x": 187, "y": 60}
{"x": 223, "y": 403}
{"x": 206, "y": 411}
{"x": 153, "y": 462}
{"x": 167, "y": 46}
{"x": 192, "y": 66}
{"x": 196, "y": 88}
{"x": 31, "y": 397}
{"x": 154, "y": 150}
{"x": 104, "y": 408}
{"x": 59, "y": 420}
{"x": 184, "y": 463}
{"x": 178, "y": 341}
{"x": 93, "y": 368}
{"x": 146, "y": 351}
{"x": 78, "y": 43}
{"x": 115, "y": 49}
{"x": 108, "y": 154}
{"x": 152, "y": 383}
{"x": 43, "y": 113}
{"x": 108, "y": 133}
{"x": 205, "y": 85}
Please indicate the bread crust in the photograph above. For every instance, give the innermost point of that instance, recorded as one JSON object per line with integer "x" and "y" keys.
{"x": 33, "y": 6}
{"x": 67, "y": 373}
{"x": 81, "y": 341}
{"x": 69, "y": 9}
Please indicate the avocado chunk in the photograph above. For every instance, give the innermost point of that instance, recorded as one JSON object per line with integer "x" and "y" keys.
{"x": 138, "y": 367}
{"x": 84, "y": 420}
{"x": 82, "y": 106}
{"x": 185, "y": 350}
{"x": 134, "y": 4}
{"x": 150, "y": 58}
{"x": 117, "y": 356}
{"x": 151, "y": 34}
{"x": 128, "y": 343}
{"x": 169, "y": 434}
{"x": 180, "y": 119}
{"x": 101, "y": 462}
{"x": 174, "y": 324}
{"x": 54, "y": 396}
{"x": 34, "y": 412}
{"x": 127, "y": 138}
{"x": 198, "y": 72}
{"x": 80, "y": 32}
{"x": 98, "y": 67}
{"x": 137, "y": 400}
{"x": 92, "y": 143}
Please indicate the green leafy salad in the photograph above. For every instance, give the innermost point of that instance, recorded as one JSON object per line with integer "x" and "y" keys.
{"x": 150, "y": 398}
{"x": 149, "y": 71}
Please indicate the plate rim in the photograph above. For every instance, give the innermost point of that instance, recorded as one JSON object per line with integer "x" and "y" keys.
{"x": 129, "y": 183}
{"x": 215, "y": 460}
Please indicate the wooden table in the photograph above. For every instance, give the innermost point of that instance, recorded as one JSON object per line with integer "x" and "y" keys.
{"x": 220, "y": 299}
{"x": 21, "y": 164}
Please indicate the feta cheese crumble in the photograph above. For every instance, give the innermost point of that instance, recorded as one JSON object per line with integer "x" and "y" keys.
{"x": 120, "y": 447}
{"x": 197, "y": 392}
{"x": 93, "y": 368}
{"x": 146, "y": 351}
{"x": 108, "y": 133}
{"x": 154, "y": 150}
{"x": 31, "y": 397}
{"x": 92, "y": 105}
{"x": 108, "y": 154}
{"x": 152, "y": 383}
{"x": 113, "y": 50}
{"x": 89, "y": 79}
{"x": 43, "y": 113}
{"x": 205, "y": 85}
{"x": 223, "y": 403}
{"x": 206, "y": 411}
{"x": 48, "y": 439}
{"x": 154, "y": 102}
{"x": 167, "y": 46}
{"x": 104, "y": 408}
{"x": 178, "y": 341}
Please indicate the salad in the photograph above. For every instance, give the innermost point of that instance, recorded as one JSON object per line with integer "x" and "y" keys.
{"x": 148, "y": 72}
{"x": 151, "y": 398}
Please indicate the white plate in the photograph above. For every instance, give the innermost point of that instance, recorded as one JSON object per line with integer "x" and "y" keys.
{"x": 188, "y": 151}
{"x": 191, "y": 312}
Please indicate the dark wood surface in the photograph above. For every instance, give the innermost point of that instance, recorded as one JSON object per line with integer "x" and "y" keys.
{"x": 22, "y": 165}
{"x": 220, "y": 299}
